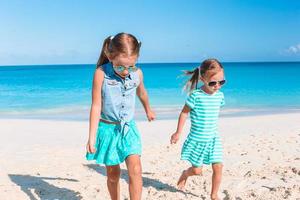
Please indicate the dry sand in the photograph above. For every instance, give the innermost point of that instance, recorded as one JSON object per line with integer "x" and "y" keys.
{"x": 42, "y": 159}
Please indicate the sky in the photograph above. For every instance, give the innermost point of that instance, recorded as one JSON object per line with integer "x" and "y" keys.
{"x": 72, "y": 31}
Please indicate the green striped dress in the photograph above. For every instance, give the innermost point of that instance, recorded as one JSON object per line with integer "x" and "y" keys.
{"x": 203, "y": 145}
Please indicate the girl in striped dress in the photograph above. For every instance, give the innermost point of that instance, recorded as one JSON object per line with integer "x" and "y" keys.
{"x": 202, "y": 145}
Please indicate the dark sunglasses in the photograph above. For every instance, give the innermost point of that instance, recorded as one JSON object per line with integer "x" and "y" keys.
{"x": 122, "y": 68}
{"x": 214, "y": 83}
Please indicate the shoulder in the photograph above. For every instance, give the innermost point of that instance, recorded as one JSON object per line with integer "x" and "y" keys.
{"x": 98, "y": 75}
{"x": 220, "y": 94}
{"x": 195, "y": 93}
{"x": 100, "y": 70}
{"x": 191, "y": 100}
{"x": 138, "y": 76}
{"x": 140, "y": 73}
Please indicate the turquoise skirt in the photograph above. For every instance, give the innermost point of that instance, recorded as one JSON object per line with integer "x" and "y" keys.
{"x": 113, "y": 146}
{"x": 199, "y": 153}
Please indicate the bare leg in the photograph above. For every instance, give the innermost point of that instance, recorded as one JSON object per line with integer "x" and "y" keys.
{"x": 186, "y": 173}
{"x": 113, "y": 177}
{"x": 216, "y": 180}
{"x": 134, "y": 167}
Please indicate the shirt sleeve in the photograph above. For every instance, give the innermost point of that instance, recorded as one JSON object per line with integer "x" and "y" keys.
{"x": 222, "y": 100}
{"x": 190, "y": 101}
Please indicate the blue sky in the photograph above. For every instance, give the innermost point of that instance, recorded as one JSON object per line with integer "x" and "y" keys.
{"x": 72, "y": 31}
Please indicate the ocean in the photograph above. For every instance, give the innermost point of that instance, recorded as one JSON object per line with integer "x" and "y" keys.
{"x": 63, "y": 92}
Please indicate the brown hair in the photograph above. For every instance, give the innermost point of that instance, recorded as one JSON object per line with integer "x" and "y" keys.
{"x": 122, "y": 43}
{"x": 208, "y": 68}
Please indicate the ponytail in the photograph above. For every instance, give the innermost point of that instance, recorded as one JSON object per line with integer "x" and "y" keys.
{"x": 103, "y": 59}
{"x": 193, "y": 81}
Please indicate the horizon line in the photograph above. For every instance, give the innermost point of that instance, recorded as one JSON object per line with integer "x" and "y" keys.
{"x": 54, "y": 64}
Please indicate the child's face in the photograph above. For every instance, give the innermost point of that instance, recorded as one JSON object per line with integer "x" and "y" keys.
{"x": 215, "y": 82}
{"x": 126, "y": 62}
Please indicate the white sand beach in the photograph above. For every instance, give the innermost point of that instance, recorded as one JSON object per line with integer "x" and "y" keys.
{"x": 42, "y": 159}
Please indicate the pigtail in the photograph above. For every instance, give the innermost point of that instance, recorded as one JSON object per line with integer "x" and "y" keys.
{"x": 103, "y": 59}
{"x": 193, "y": 81}
{"x": 136, "y": 44}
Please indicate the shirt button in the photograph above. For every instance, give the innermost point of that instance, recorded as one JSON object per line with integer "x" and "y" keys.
{"x": 123, "y": 95}
{"x": 122, "y": 106}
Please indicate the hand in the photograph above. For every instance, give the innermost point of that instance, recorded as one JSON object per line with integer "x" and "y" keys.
{"x": 150, "y": 115}
{"x": 175, "y": 138}
{"x": 90, "y": 146}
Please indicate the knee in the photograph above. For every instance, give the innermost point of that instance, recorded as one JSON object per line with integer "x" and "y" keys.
{"x": 217, "y": 167}
{"x": 135, "y": 171}
{"x": 197, "y": 170}
{"x": 113, "y": 176}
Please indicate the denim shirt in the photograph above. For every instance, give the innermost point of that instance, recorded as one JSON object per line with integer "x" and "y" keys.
{"x": 118, "y": 96}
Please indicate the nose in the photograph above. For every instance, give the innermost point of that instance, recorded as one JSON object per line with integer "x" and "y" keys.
{"x": 125, "y": 72}
{"x": 217, "y": 86}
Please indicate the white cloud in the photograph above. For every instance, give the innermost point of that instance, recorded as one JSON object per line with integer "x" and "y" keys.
{"x": 294, "y": 49}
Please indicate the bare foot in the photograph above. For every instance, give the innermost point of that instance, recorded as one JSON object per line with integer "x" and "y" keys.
{"x": 182, "y": 180}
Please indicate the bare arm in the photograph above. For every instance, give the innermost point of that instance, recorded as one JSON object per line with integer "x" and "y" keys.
{"x": 143, "y": 96}
{"x": 95, "y": 109}
{"x": 181, "y": 121}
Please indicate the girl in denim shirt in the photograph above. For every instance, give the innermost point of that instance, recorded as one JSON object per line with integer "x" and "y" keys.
{"x": 113, "y": 135}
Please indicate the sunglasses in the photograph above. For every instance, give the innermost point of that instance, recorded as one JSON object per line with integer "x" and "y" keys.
{"x": 214, "y": 83}
{"x": 122, "y": 68}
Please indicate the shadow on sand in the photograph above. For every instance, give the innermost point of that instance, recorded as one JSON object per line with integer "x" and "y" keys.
{"x": 37, "y": 188}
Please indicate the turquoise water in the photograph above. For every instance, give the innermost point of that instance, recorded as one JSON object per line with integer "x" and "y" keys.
{"x": 64, "y": 91}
